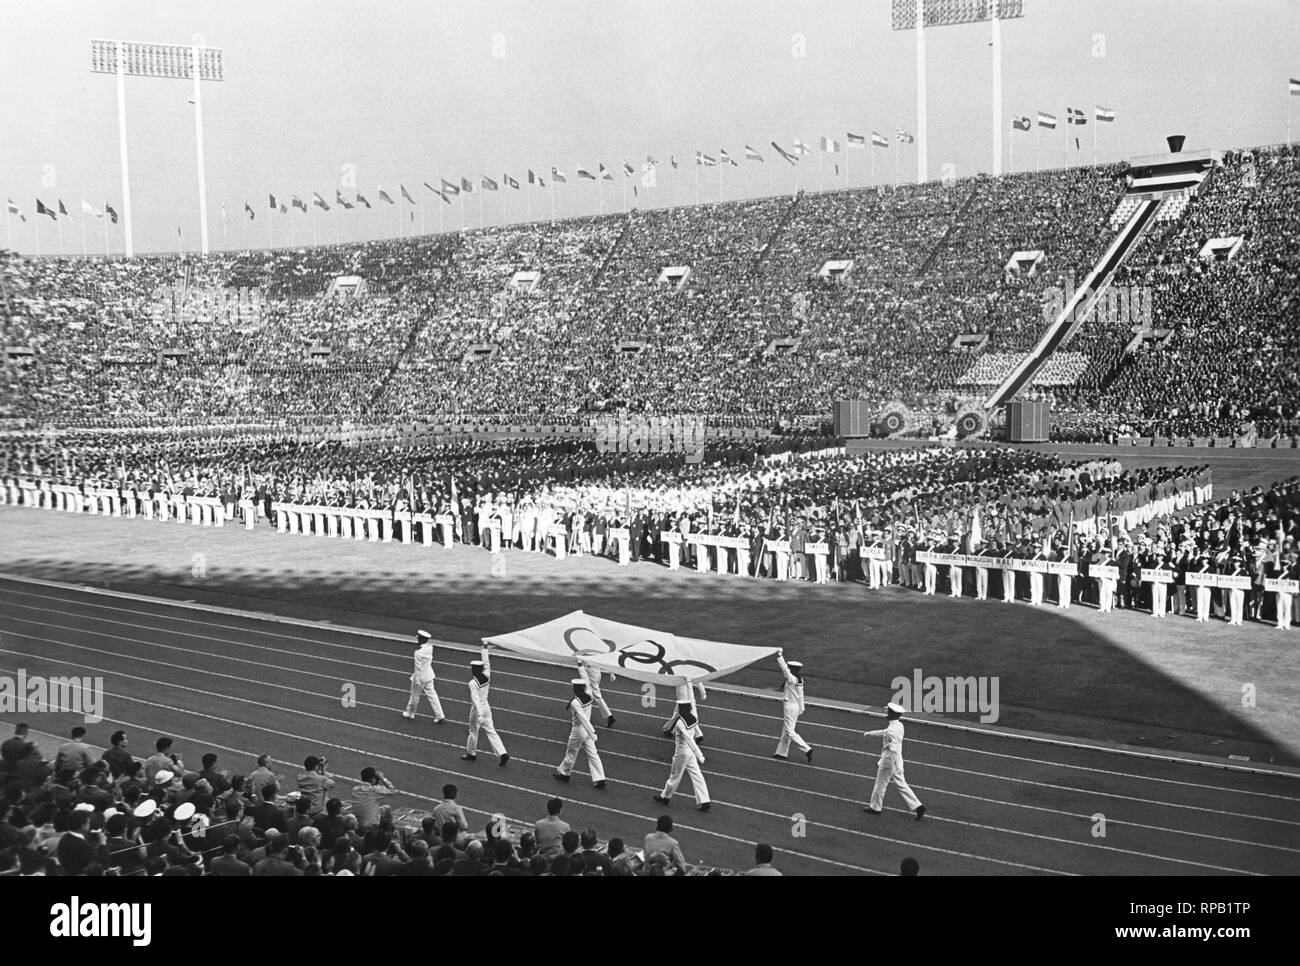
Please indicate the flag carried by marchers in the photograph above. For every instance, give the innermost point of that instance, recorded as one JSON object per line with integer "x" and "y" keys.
{"x": 319, "y": 202}
{"x": 751, "y": 154}
{"x": 879, "y": 140}
{"x": 384, "y": 196}
{"x": 1075, "y": 116}
{"x": 1106, "y": 114}
{"x": 856, "y": 140}
{"x": 1047, "y": 120}
{"x": 639, "y": 653}
{"x": 406, "y": 194}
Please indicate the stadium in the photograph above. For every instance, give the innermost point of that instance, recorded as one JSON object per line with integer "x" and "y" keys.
{"x": 660, "y": 459}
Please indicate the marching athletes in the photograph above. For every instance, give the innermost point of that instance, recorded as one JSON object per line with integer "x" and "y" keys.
{"x": 582, "y": 736}
{"x": 792, "y": 707}
{"x": 422, "y": 679}
{"x": 592, "y": 675}
{"x": 687, "y": 759}
{"x": 686, "y": 695}
{"x": 891, "y": 765}
{"x": 480, "y": 712}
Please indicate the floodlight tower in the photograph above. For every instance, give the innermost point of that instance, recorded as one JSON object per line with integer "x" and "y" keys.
{"x": 175, "y": 61}
{"x": 919, "y": 14}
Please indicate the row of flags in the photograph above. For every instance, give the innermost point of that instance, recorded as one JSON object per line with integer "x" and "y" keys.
{"x": 43, "y": 209}
{"x": 1073, "y": 115}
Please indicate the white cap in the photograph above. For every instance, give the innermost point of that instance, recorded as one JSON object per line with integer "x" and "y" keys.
{"x": 896, "y": 708}
{"x": 163, "y": 777}
{"x": 84, "y": 807}
{"x": 423, "y": 635}
{"x": 476, "y": 664}
{"x": 798, "y": 664}
{"x": 184, "y": 811}
{"x": 582, "y": 681}
{"x": 146, "y": 808}
{"x": 110, "y": 812}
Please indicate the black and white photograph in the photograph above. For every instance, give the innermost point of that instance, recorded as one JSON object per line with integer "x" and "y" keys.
{"x": 683, "y": 438}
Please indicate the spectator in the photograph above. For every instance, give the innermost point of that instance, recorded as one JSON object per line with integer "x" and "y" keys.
{"x": 763, "y": 861}
{"x": 314, "y": 784}
{"x": 550, "y": 831}
{"x": 365, "y": 797}
{"x": 661, "y": 841}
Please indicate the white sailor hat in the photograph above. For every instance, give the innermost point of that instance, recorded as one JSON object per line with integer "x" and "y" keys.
{"x": 423, "y": 635}
{"x": 896, "y": 708}
{"x": 582, "y": 681}
{"x": 83, "y": 807}
{"x": 146, "y": 808}
{"x": 794, "y": 664}
{"x": 475, "y": 663}
{"x": 110, "y": 812}
{"x": 184, "y": 811}
{"x": 163, "y": 777}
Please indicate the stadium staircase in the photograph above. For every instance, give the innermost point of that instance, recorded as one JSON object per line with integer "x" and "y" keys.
{"x": 613, "y": 250}
{"x": 953, "y": 222}
{"x": 776, "y": 232}
{"x": 1080, "y": 304}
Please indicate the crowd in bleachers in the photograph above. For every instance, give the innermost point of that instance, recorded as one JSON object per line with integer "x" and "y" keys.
{"x": 87, "y": 813}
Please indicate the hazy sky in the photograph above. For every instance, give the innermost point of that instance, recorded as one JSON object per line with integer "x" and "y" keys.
{"x": 414, "y": 90}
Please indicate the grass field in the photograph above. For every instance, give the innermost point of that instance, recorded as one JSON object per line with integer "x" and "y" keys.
{"x": 1119, "y": 677}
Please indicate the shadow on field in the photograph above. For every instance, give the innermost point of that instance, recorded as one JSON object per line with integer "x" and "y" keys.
{"x": 1081, "y": 675}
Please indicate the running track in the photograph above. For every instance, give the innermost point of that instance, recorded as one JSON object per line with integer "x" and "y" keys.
{"x": 998, "y": 803}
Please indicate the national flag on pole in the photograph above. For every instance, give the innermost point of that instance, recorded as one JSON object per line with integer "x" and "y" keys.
{"x": 88, "y": 209}
{"x": 856, "y": 140}
{"x": 466, "y": 185}
{"x": 1075, "y": 116}
{"x": 284, "y": 210}
{"x": 62, "y": 210}
{"x": 1020, "y": 122}
{"x": 879, "y": 140}
{"x": 605, "y": 174}
{"x": 830, "y": 145}
{"x": 751, "y": 154}
{"x": 1106, "y": 114}
{"x": 13, "y": 208}
{"x": 903, "y": 136}
{"x": 247, "y": 207}
{"x": 784, "y": 153}
{"x": 532, "y": 178}
{"x": 649, "y": 175}
{"x": 448, "y": 188}
{"x": 651, "y": 161}
{"x": 111, "y": 212}
{"x": 628, "y": 170}
{"x": 273, "y": 205}
{"x": 672, "y": 158}
{"x": 510, "y": 181}
{"x": 1295, "y": 87}
{"x": 341, "y": 201}
{"x": 558, "y": 175}
{"x": 299, "y": 203}
{"x": 319, "y": 202}
{"x": 489, "y": 184}
{"x": 42, "y": 210}
{"x": 385, "y": 196}
{"x": 726, "y": 158}
{"x": 703, "y": 159}
{"x": 1047, "y": 120}
{"x": 362, "y": 200}
{"x": 584, "y": 173}
{"x": 406, "y": 194}
{"x": 800, "y": 148}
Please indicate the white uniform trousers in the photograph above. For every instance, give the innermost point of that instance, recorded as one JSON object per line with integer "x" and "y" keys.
{"x": 598, "y": 699}
{"x": 430, "y": 692}
{"x": 1035, "y": 587}
{"x": 888, "y": 770}
{"x": 1159, "y": 599}
{"x": 485, "y": 724}
{"x": 685, "y": 763}
{"x": 1238, "y": 599}
{"x": 579, "y": 740}
{"x": 931, "y": 578}
{"x": 982, "y": 583}
{"x": 788, "y": 734}
{"x": 954, "y": 581}
{"x": 1008, "y": 586}
{"x": 1202, "y": 604}
{"x": 1064, "y": 590}
{"x": 1106, "y": 594}
{"x": 1284, "y": 602}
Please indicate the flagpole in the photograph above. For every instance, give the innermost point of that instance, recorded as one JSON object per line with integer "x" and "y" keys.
{"x": 1038, "y": 141}
{"x": 897, "y": 154}
{"x": 9, "y": 229}
{"x": 553, "y": 190}
{"x": 698, "y": 165}
{"x": 1011, "y": 150}
{"x": 83, "y": 234}
{"x": 821, "y": 180}
{"x": 719, "y": 179}
{"x": 1095, "y": 124}
{"x": 106, "y": 229}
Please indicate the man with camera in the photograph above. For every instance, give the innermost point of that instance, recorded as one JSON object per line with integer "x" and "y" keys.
{"x": 314, "y": 783}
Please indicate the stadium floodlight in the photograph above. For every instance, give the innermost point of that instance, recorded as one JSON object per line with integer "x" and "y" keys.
{"x": 176, "y": 61}
{"x": 907, "y": 14}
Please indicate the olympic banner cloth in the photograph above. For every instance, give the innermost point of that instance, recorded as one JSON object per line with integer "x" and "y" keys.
{"x": 640, "y": 653}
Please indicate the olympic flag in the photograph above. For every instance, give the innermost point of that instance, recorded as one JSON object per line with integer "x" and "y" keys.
{"x": 640, "y": 653}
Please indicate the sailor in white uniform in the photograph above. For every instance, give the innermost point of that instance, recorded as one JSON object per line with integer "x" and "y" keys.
{"x": 685, "y": 695}
{"x": 593, "y": 688}
{"x": 582, "y": 737}
{"x": 687, "y": 759}
{"x": 792, "y": 707}
{"x": 422, "y": 679}
{"x": 891, "y": 765}
{"x": 480, "y": 712}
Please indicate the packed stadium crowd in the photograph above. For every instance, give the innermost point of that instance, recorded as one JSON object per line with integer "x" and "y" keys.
{"x": 547, "y": 319}
{"x": 87, "y": 813}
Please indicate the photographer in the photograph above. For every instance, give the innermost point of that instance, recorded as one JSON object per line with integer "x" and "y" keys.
{"x": 365, "y": 797}
{"x": 314, "y": 784}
